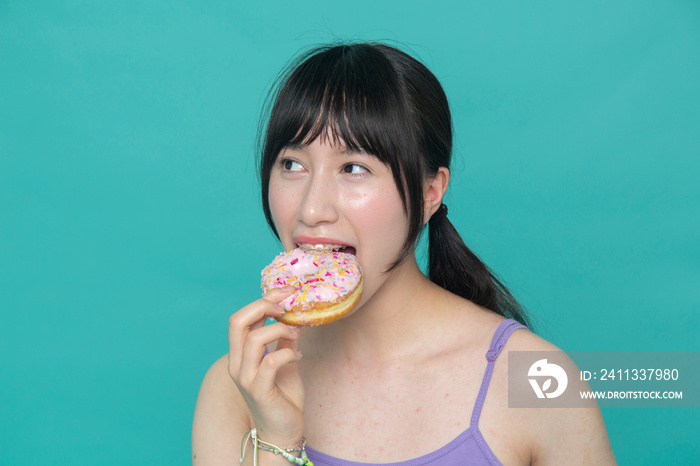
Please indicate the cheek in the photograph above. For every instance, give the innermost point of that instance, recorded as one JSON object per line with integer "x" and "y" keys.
{"x": 281, "y": 207}
{"x": 380, "y": 214}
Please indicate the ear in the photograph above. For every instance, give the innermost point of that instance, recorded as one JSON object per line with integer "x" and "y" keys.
{"x": 433, "y": 192}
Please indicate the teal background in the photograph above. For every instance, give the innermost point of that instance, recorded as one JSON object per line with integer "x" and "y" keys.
{"x": 130, "y": 226}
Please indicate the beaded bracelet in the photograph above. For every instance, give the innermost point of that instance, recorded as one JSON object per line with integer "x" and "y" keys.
{"x": 287, "y": 453}
{"x": 263, "y": 446}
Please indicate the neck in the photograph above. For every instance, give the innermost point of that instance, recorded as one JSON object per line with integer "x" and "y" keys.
{"x": 395, "y": 322}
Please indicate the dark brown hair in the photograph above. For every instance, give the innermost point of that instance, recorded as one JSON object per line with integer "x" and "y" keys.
{"x": 379, "y": 99}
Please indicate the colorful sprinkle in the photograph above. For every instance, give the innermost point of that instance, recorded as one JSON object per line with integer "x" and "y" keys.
{"x": 317, "y": 276}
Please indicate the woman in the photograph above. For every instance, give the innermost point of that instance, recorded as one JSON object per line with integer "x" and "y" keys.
{"x": 356, "y": 152}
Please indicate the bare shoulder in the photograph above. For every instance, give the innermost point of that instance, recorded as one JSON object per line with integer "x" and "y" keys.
{"x": 554, "y": 435}
{"x": 525, "y": 340}
{"x": 220, "y": 416}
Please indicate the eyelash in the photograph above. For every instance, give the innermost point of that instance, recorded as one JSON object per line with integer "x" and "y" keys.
{"x": 365, "y": 170}
{"x": 284, "y": 163}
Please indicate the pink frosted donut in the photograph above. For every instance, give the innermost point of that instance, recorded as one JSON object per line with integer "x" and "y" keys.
{"x": 328, "y": 283}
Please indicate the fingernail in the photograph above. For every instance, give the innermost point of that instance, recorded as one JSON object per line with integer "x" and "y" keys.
{"x": 294, "y": 329}
{"x": 298, "y": 353}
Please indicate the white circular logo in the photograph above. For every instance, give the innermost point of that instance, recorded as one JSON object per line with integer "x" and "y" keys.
{"x": 541, "y": 369}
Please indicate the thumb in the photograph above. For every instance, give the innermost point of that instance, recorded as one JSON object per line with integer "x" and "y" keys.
{"x": 292, "y": 343}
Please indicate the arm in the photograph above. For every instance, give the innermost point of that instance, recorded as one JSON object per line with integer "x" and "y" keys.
{"x": 248, "y": 388}
{"x": 220, "y": 419}
{"x": 573, "y": 436}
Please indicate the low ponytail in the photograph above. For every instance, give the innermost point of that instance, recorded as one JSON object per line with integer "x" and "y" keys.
{"x": 453, "y": 266}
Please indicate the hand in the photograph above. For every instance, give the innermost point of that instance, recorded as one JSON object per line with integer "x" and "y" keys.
{"x": 270, "y": 383}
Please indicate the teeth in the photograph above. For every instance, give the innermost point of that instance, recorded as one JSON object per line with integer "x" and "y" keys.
{"x": 320, "y": 247}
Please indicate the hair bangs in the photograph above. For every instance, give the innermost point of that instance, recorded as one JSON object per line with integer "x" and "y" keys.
{"x": 351, "y": 96}
{"x": 356, "y": 96}
{"x": 348, "y": 96}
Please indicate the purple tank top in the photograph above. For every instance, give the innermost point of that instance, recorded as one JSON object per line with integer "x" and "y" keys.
{"x": 469, "y": 447}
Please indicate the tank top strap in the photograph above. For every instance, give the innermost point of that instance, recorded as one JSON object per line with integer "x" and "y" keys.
{"x": 499, "y": 340}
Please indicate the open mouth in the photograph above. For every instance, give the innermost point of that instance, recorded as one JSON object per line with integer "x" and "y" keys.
{"x": 326, "y": 248}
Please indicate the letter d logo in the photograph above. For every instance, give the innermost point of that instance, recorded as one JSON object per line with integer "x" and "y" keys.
{"x": 542, "y": 369}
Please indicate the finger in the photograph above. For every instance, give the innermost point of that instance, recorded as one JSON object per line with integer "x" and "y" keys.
{"x": 270, "y": 366}
{"x": 292, "y": 344}
{"x": 255, "y": 345}
{"x": 245, "y": 319}
{"x": 275, "y": 296}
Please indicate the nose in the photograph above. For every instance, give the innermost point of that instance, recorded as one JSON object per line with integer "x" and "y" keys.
{"x": 318, "y": 205}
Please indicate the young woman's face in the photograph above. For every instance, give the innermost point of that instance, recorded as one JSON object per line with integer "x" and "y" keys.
{"x": 324, "y": 193}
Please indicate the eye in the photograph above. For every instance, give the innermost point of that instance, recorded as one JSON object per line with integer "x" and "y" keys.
{"x": 291, "y": 165}
{"x": 354, "y": 169}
